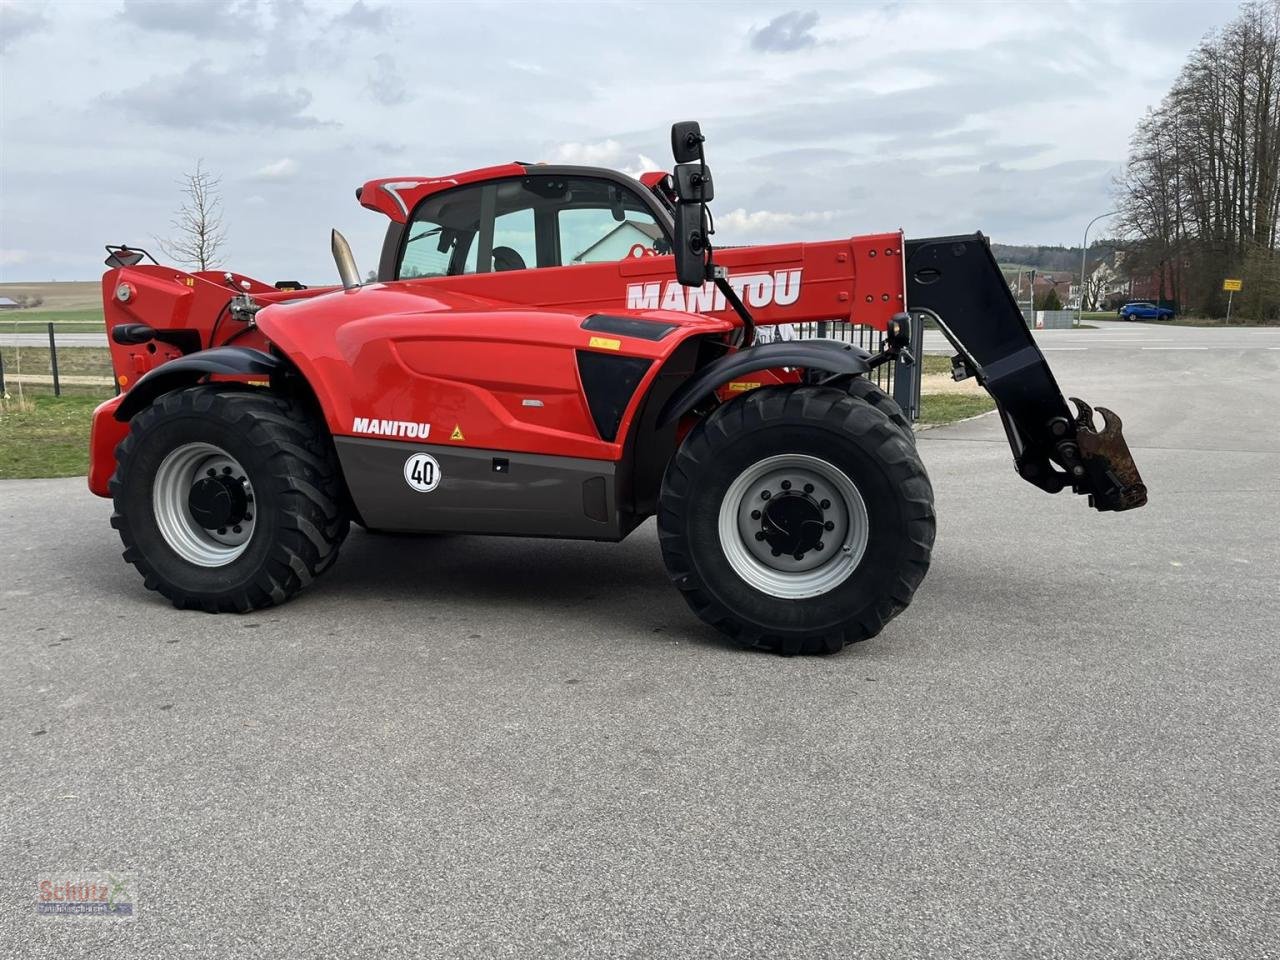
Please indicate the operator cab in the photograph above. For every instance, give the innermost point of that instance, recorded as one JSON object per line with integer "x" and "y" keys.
{"x": 551, "y": 217}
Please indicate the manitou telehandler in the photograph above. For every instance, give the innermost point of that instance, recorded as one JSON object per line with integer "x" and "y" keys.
{"x": 554, "y": 351}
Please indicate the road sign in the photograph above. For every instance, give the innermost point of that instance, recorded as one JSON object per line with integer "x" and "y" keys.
{"x": 1232, "y": 284}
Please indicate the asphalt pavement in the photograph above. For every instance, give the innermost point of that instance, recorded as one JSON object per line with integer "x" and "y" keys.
{"x": 469, "y": 747}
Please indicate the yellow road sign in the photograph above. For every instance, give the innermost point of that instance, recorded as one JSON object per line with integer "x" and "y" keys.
{"x": 1232, "y": 284}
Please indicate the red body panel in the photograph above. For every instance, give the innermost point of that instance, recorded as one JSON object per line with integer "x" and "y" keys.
{"x": 413, "y": 352}
{"x": 104, "y": 436}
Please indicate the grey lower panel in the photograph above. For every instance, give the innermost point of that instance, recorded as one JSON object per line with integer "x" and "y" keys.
{"x": 483, "y": 491}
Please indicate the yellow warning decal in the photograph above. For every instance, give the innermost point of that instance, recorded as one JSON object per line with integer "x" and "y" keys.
{"x": 189, "y": 281}
{"x": 741, "y": 386}
{"x": 457, "y": 433}
{"x": 605, "y": 343}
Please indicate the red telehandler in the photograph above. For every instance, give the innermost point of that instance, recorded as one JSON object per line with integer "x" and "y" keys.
{"x": 557, "y": 351}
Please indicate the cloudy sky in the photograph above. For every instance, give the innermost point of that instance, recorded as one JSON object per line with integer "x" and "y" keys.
{"x": 823, "y": 119}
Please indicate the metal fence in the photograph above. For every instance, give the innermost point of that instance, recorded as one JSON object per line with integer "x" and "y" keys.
{"x": 34, "y": 360}
{"x": 901, "y": 380}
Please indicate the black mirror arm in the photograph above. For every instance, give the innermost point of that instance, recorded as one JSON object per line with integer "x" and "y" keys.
{"x": 731, "y": 297}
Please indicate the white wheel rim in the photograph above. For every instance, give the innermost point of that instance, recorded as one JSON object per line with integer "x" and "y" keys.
{"x": 171, "y": 496}
{"x": 790, "y": 500}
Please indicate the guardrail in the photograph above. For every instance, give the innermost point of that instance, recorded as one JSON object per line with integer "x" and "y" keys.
{"x": 900, "y": 379}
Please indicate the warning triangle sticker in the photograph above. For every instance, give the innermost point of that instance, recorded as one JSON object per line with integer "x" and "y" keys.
{"x": 457, "y": 433}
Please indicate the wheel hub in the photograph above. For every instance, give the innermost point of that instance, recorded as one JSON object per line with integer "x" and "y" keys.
{"x": 218, "y": 502}
{"x": 792, "y": 524}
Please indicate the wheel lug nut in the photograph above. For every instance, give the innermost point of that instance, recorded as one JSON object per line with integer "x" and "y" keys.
{"x": 222, "y": 531}
{"x": 786, "y": 484}
{"x": 760, "y": 535}
{"x": 819, "y": 545}
{"x": 765, "y": 495}
{"x": 829, "y": 525}
{"x": 236, "y": 528}
{"x": 241, "y": 479}
{"x": 825, "y": 504}
{"x": 755, "y": 514}
{"x": 808, "y": 488}
{"x": 799, "y": 556}
{"x": 226, "y": 471}
{"x": 248, "y": 516}
{"x": 777, "y": 553}
{"x": 212, "y": 472}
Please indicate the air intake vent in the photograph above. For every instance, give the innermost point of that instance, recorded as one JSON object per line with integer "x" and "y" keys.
{"x": 609, "y": 383}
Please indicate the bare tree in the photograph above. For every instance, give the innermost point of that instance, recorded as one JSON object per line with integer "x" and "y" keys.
{"x": 197, "y": 232}
{"x": 1201, "y": 192}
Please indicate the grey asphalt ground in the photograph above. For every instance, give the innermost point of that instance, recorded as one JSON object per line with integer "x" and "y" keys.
{"x": 467, "y": 747}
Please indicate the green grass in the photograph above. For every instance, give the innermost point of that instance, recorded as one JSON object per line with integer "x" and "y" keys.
{"x": 935, "y": 363}
{"x": 45, "y": 436}
{"x": 937, "y": 408}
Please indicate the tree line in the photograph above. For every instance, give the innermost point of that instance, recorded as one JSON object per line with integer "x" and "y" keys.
{"x": 1200, "y": 194}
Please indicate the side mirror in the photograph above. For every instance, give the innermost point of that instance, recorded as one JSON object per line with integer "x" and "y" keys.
{"x": 693, "y": 183}
{"x": 686, "y": 141}
{"x": 690, "y": 244}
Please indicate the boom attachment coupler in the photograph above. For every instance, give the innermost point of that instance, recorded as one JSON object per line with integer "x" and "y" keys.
{"x": 956, "y": 281}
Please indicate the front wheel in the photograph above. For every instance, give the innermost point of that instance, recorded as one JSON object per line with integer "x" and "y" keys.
{"x": 227, "y": 499}
{"x": 797, "y": 519}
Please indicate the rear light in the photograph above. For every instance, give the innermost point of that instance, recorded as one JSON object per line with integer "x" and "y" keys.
{"x": 124, "y": 292}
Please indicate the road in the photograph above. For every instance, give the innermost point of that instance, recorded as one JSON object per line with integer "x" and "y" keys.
{"x": 95, "y": 339}
{"x": 468, "y": 747}
{"x": 1137, "y": 337}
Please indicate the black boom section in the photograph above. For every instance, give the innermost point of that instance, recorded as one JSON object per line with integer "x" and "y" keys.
{"x": 191, "y": 369}
{"x": 830, "y": 356}
{"x": 957, "y": 281}
{"x": 609, "y": 383}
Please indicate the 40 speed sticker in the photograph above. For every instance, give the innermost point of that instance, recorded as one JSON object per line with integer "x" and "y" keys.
{"x": 422, "y": 472}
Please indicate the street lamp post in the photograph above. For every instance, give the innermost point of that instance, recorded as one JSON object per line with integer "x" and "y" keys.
{"x": 1084, "y": 253}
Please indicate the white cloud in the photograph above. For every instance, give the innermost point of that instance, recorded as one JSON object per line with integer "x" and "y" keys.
{"x": 740, "y": 223}
{"x": 642, "y": 164}
{"x": 605, "y": 153}
{"x": 282, "y": 169}
{"x": 12, "y": 257}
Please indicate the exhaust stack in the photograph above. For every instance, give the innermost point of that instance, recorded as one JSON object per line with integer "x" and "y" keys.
{"x": 346, "y": 263}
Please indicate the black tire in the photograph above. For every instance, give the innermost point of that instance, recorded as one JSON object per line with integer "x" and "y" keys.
{"x": 856, "y": 438}
{"x": 867, "y": 391}
{"x": 294, "y": 476}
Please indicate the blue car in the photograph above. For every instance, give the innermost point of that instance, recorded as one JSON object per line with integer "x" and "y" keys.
{"x": 1144, "y": 310}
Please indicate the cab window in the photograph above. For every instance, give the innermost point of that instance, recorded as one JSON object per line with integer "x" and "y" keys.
{"x": 442, "y": 235}
{"x": 528, "y": 222}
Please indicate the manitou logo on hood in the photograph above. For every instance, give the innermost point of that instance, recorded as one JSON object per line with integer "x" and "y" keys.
{"x": 781, "y": 287}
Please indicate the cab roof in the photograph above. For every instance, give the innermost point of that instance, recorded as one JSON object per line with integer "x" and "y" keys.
{"x": 395, "y": 197}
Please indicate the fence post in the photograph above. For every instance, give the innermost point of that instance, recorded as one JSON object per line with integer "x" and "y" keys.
{"x": 3, "y": 391}
{"x": 53, "y": 362}
{"x": 906, "y": 377}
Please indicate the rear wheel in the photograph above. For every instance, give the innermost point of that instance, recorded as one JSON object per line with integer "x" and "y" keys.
{"x": 227, "y": 499}
{"x": 797, "y": 519}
